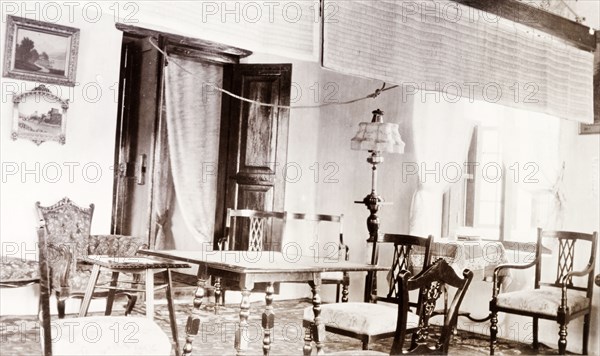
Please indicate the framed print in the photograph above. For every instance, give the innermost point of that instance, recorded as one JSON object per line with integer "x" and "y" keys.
{"x": 595, "y": 127}
{"x": 40, "y": 116}
{"x": 40, "y": 51}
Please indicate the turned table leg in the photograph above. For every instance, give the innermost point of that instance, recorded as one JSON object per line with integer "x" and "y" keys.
{"x": 318, "y": 331}
{"x": 268, "y": 319}
{"x": 193, "y": 322}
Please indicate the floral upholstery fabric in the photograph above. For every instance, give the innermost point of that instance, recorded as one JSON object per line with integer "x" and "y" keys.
{"x": 15, "y": 269}
{"x": 363, "y": 318}
{"x": 542, "y": 301}
{"x": 68, "y": 224}
{"x": 115, "y": 245}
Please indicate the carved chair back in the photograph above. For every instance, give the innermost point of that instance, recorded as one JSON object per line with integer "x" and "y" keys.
{"x": 68, "y": 227}
{"x": 406, "y": 250}
{"x": 332, "y": 250}
{"x": 431, "y": 283}
{"x": 251, "y": 230}
{"x": 567, "y": 245}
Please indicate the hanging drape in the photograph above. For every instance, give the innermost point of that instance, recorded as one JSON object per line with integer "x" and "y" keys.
{"x": 193, "y": 129}
{"x": 163, "y": 190}
{"x": 441, "y": 133}
{"x": 439, "y": 45}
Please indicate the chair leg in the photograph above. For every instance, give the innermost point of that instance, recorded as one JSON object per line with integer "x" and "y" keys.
{"x": 131, "y": 300}
{"x": 337, "y": 293}
{"x": 217, "y": 294}
{"x": 562, "y": 339}
{"x": 133, "y": 297}
{"x": 586, "y": 333}
{"x": 111, "y": 293}
{"x": 536, "y": 343}
{"x": 60, "y": 306}
{"x": 365, "y": 344}
{"x": 493, "y": 331}
{"x": 307, "y": 349}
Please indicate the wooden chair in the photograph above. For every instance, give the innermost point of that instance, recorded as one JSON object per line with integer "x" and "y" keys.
{"x": 425, "y": 339}
{"x": 68, "y": 228}
{"x": 247, "y": 230}
{"x": 370, "y": 322}
{"x": 559, "y": 300}
{"x": 339, "y": 250}
{"x": 108, "y": 335}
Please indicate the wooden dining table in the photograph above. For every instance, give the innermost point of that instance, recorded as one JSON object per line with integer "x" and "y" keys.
{"x": 248, "y": 268}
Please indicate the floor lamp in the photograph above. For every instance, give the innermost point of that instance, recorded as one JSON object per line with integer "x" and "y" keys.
{"x": 376, "y": 137}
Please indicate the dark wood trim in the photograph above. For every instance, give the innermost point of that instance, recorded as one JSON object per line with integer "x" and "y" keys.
{"x": 575, "y": 33}
{"x": 208, "y": 47}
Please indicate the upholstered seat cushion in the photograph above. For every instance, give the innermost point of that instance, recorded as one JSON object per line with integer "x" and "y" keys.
{"x": 543, "y": 301}
{"x": 16, "y": 268}
{"x": 362, "y": 318}
{"x": 100, "y": 335}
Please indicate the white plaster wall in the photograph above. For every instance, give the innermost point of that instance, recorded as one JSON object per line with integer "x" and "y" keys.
{"x": 33, "y": 173}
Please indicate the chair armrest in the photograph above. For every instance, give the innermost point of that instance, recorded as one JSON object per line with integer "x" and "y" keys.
{"x": 564, "y": 281}
{"x": 495, "y": 286}
{"x": 60, "y": 263}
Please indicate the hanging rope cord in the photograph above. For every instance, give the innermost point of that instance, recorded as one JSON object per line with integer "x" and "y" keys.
{"x": 224, "y": 91}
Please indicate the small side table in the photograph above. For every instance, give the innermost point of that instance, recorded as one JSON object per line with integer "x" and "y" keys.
{"x": 134, "y": 265}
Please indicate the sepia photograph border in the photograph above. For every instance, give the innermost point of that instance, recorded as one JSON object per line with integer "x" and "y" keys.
{"x": 14, "y": 24}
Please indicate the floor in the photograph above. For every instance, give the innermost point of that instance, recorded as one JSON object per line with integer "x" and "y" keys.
{"x": 19, "y": 335}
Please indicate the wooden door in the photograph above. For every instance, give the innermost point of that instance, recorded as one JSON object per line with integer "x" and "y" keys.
{"x": 141, "y": 75}
{"x": 255, "y": 144}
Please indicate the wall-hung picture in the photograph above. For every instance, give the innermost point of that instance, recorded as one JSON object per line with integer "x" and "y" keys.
{"x": 40, "y": 116}
{"x": 40, "y": 51}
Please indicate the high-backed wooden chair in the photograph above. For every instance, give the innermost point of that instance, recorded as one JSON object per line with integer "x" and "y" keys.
{"x": 559, "y": 299}
{"x": 108, "y": 335}
{"x": 370, "y": 322}
{"x": 333, "y": 250}
{"x": 425, "y": 339}
{"x": 247, "y": 230}
{"x": 68, "y": 227}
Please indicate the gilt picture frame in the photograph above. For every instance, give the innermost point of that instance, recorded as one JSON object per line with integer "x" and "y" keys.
{"x": 40, "y": 116}
{"x": 40, "y": 51}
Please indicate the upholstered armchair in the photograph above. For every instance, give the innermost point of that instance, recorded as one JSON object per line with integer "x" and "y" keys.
{"x": 69, "y": 239}
{"x": 565, "y": 297}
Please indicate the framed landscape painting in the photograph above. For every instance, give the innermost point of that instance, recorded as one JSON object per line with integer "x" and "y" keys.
{"x": 40, "y": 116}
{"x": 40, "y": 51}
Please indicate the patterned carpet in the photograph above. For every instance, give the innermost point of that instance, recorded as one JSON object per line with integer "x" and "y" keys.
{"x": 19, "y": 335}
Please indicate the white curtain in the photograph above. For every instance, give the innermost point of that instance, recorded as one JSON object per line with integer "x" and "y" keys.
{"x": 193, "y": 127}
{"x": 441, "y": 134}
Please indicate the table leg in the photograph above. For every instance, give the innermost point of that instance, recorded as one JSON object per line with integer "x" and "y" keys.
{"x": 241, "y": 334}
{"x": 150, "y": 294}
{"x": 111, "y": 293}
{"x": 89, "y": 291}
{"x": 171, "y": 307}
{"x": 318, "y": 331}
{"x": 268, "y": 319}
{"x": 193, "y": 322}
